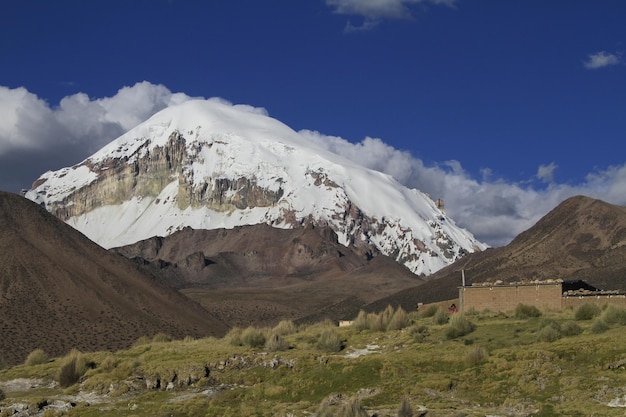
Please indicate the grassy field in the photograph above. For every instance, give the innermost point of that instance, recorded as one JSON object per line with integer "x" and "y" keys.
{"x": 524, "y": 363}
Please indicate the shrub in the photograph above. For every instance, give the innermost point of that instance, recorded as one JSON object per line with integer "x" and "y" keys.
{"x": 161, "y": 338}
{"x": 476, "y": 356}
{"x": 142, "y": 341}
{"x": 329, "y": 341}
{"x": 587, "y": 311}
{"x": 234, "y": 336}
{"x": 360, "y": 323}
{"x": 399, "y": 320}
{"x": 525, "y": 311}
{"x": 353, "y": 409}
{"x": 570, "y": 328}
{"x": 73, "y": 367}
{"x": 252, "y": 337}
{"x": 459, "y": 326}
{"x": 405, "y": 409}
{"x": 36, "y": 357}
{"x": 599, "y": 326}
{"x": 549, "y": 333}
{"x": 2, "y": 395}
{"x": 614, "y": 315}
{"x": 418, "y": 333}
{"x": 285, "y": 327}
{"x": 275, "y": 343}
{"x": 430, "y": 311}
{"x": 440, "y": 317}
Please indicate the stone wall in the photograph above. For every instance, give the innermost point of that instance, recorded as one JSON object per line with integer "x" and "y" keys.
{"x": 506, "y": 297}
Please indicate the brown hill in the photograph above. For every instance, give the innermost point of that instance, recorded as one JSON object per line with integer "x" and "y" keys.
{"x": 59, "y": 290}
{"x": 260, "y": 275}
{"x": 581, "y": 239}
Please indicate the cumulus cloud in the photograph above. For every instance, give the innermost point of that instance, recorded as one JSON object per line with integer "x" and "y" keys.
{"x": 494, "y": 210}
{"x": 601, "y": 59}
{"x": 546, "y": 172}
{"x": 78, "y": 122}
{"x": 35, "y": 136}
{"x": 373, "y": 11}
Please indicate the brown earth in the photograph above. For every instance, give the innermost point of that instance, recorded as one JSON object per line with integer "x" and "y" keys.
{"x": 581, "y": 239}
{"x": 59, "y": 290}
{"x": 259, "y": 275}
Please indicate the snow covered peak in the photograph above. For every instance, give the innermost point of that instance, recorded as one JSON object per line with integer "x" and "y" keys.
{"x": 208, "y": 164}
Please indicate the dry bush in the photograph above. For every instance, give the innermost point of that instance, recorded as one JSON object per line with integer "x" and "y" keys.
{"x": 525, "y": 311}
{"x": 459, "y": 326}
{"x": 599, "y": 326}
{"x": 352, "y": 408}
{"x": 275, "y": 342}
{"x": 252, "y": 337}
{"x": 399, "y": 320}
{"x": 476, "y": 356}
{"x": 36, "y": 357}
{"x": 73, "y": 367}
{"x": 440, "y": 317}
{"x": 614, "y": 315}
{"x": 587, "y": 311}
{"x": 360, "y": 323}
{"x": 142, "y": 341}
{"x": 430, "y": 311}
{"x": 234, "y": 336}
{"x": 285, "y": 327}
{"x": 570, "y": 328}
{"x": 161, "y": 338}
{"x": 329, "y": 341}
{"x": 550, "y": 333}
{"x": 405, "y": 409}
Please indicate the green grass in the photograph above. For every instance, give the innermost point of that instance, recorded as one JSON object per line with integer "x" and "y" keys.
{"x": 503, "y": 366}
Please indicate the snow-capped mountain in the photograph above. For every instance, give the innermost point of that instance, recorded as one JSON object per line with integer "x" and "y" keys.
{"x": 207, "y": 165}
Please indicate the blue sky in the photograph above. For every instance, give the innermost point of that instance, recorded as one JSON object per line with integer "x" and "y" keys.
{"x": 503, "y": 108}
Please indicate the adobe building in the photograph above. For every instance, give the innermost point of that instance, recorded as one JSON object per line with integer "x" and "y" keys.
{"x": 546, "y": 295}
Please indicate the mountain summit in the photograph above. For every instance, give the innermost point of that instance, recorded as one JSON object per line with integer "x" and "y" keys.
{"x": 208, "y": 165}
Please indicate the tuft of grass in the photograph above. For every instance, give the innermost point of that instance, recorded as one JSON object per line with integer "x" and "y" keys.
{"x": 459, "y": 326}
{"x": 440, "y": 317}
{"x": 405, "y": 409}
{"x": 476, "y": 356}
{"x": 353, "y": 408}
{"x": 587, "y": 311}
{"x": 599, "y": 326}
{"x": 275, "y": 342}
{"x": 614, "y": 315}
{"x": 252, "y": 337}
{"x": 36, "y": 357}
{"x": 525, "y": 311}
{"x": 430, "y": 311}
{"x": 399, "y": 320}
{"x": 329, "y": 341}
{"x": 161, "y": 338}
{"x": 570, "y": 328}
{"x": 550, "y": 333}
{"x": 73, "y": 367}
{"x": 285, "y": 327}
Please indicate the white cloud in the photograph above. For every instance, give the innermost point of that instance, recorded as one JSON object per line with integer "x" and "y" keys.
{"x": 373, "y": 11}
{"x": 494, "y": 210}
{"x": 546, "y": 172}
{"x": 35, "y": 136}
{"x": 601, "y": 59}
{"x": 85, "y": 124}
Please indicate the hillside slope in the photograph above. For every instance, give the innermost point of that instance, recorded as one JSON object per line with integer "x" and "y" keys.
{"x": 261, "y": 275}
{"x": 581, "y": 239}
{"x": 59, "y": 290}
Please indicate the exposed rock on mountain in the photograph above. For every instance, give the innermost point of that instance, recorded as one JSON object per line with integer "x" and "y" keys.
{"x": 581, "y": 239}
{"x": 208, "y": 165}
{"x": 59, "y": 290}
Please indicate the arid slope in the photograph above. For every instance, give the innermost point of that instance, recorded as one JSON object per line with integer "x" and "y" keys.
{"x": 59, "y": 290}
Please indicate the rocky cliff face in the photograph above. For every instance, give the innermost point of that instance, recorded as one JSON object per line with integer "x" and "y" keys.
{"x": 187, "y": 167}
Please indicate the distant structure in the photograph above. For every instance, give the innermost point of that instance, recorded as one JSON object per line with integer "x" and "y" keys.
{"x": 440, "y": 205}
{"x": 549, "y": 294}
